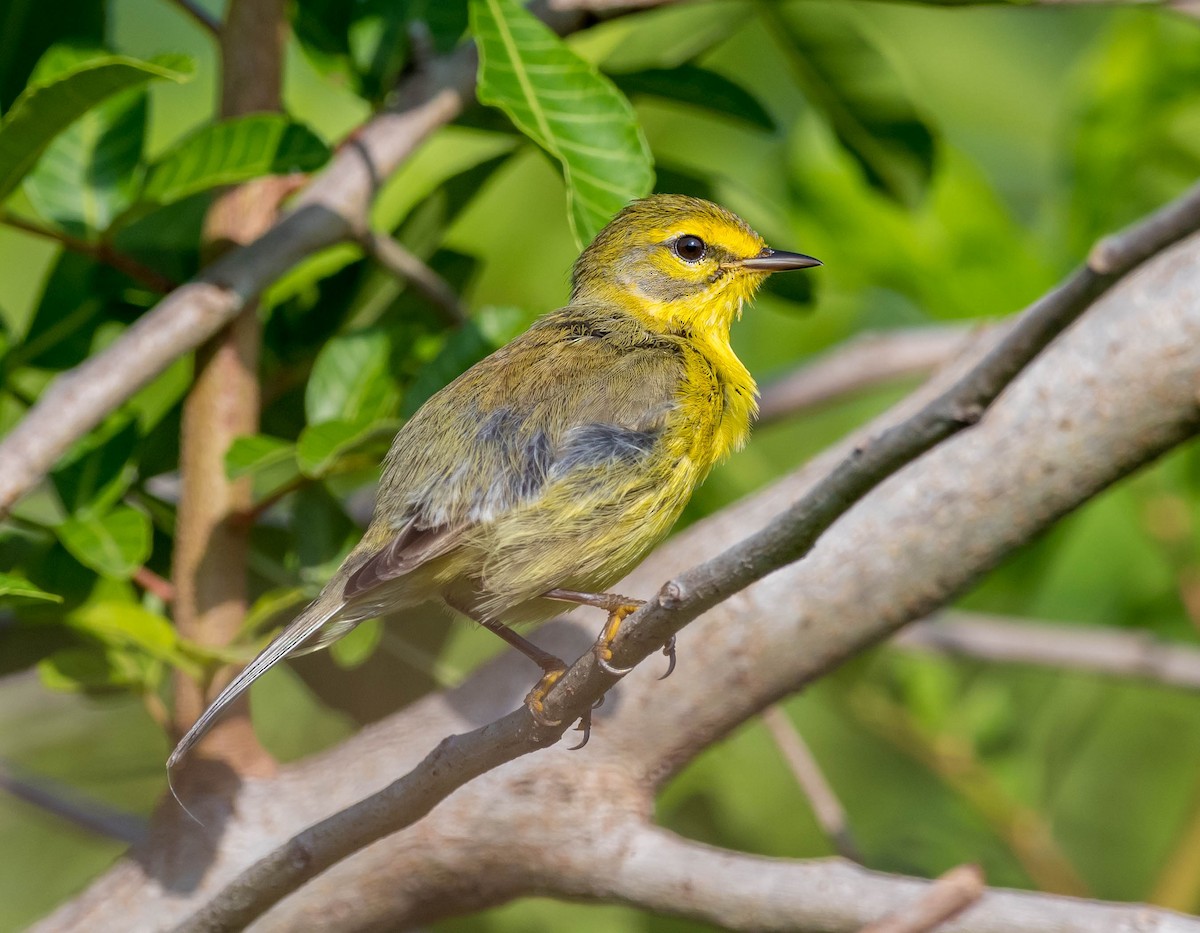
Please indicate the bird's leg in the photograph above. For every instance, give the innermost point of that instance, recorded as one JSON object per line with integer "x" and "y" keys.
{"x": 617, "y": 607}
{"x": 552, "y": 668}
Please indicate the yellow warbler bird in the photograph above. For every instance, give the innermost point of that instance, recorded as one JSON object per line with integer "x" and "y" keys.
{"x": 545, "y": 472}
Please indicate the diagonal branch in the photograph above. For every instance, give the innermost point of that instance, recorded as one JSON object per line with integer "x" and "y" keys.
{"x": 1115, "y": 392}
{"x": 460, "y": 758}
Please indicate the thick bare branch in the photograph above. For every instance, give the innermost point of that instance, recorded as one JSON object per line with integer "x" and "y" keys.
{"x": 785, "y": 539}
{"x": 670, "y": 875}
{"x": 1069, "y": 427}
{"x": 1115, "y": 652}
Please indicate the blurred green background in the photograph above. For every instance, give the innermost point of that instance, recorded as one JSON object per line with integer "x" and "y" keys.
{"x": 946, "y": 162}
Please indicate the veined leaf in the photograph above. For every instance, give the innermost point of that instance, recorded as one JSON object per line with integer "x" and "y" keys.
{"x": 351, "y": 379}
{"x": 114, "y": 544}
{"x": 88, "y": 174}
{"x": 846, "y": 76}
{"x": 47, "y": 108}
{"x": 321, "y": 446}
{"x": 567, "y": 107}
{"x": 233, "y": 151}
{"x": 17, "y": 588}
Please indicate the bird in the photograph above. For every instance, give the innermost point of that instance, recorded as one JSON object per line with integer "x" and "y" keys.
{"x": 545, "y": 472}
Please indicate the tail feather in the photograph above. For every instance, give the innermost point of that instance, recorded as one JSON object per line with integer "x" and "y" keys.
{"x": 306, "y": 626}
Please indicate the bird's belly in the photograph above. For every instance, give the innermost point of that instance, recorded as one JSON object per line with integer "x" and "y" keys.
{"x": 583, "y": 534}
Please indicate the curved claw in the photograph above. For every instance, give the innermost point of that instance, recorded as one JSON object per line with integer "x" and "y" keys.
{"x": 605, "y": 664}
{"x": 585, "y": 726}
{"x": 669, "y": 651}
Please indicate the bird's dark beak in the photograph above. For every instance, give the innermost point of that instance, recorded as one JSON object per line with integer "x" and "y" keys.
{"x": 778, "y": 260}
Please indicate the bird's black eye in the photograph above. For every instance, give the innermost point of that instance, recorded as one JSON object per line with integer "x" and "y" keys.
{"x": 690, "y": 248}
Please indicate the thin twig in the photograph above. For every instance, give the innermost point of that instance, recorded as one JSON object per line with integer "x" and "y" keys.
{"x": 458, "y": 759}
{"x": 406, "y": 265}
{"x": 949, "y": 896}
{"x": 865, "y": 361}
{"x": 101, "y": 252}
{"x": 1093, "y": 648}
{"x": 200, "y": 16}
{"x": 63, "y": 802}
{"x": 151, "y": 582}
{"x": 826, "y": 808}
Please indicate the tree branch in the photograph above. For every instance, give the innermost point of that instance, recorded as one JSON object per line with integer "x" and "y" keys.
{"x": 1090, "y": 648}
{"x": 101, "y": 252}
{"x": 787, "y": 538}
{"x": 407, "y": 266}
{"x": 670, "y": 875}
{"x": 1113, "y": 393}
{"x": 211, "y": 547}
{"x": 88, "y": 815}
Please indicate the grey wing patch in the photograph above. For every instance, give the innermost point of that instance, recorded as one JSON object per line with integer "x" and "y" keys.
{"x": 589, "y": 445}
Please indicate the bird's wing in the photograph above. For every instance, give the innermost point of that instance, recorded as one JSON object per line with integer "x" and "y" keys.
{"x": 574, "y": 391}
{"x": 578, "y": 389}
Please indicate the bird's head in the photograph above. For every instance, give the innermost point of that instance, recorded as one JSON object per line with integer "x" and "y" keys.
{"x": 678, "y": 263}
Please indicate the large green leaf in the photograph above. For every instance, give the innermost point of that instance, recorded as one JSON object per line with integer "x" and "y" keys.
{"x": 846, "y": 75}
{"x": 233, "y": 151}
{"x": 114, "y": 544}
{"x": 47, "y": 108}
{"x": 88, "y": 172}
{"x": 351, "y": 379}
{"x": 567, "y": 107}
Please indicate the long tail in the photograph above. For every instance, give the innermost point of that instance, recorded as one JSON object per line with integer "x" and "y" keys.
{"x": 320, "y": 613}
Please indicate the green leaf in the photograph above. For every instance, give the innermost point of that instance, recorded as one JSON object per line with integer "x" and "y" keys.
{"x": 128, "y": 625}
{"x": 351, "y": 379}
{"x": 97, "y": 472}
{"x": 257, "y": 452}
{"x": 690, "y": 84}
{"x": 848, "y": 77}
{"x": 88, "y": 174}
{"x": 46, "y": 109}
{"x": 322, "y": 447}
{"x": 14, "y": 588}
{"x": 233, "y": 151}
{"x": 567, "y": 107}
{"x": 114, "y": 544}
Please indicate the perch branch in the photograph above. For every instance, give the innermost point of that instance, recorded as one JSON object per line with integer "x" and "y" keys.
{"x": 458, "y": 759}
